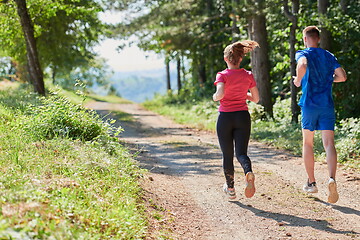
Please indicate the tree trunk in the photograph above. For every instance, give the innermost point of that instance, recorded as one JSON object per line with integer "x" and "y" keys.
{"x": 325, "y": 40}
{"x": 260, "y": 60}
{"x": 53, "y": 76}
{"x": 234, "y": 28}
{"x": 208, "y": 56}
{"x": 292, "y": 16}
{"x": 35, "y": 72}
{"x": 178, "y": 73}
{"x": 183, "y": 69}
{"x": 168, "y": 82}
{"x": 344, "y": 4}
{"x": 202, "y": 73}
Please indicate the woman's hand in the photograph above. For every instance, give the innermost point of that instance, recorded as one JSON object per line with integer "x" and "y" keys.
{"x": 220, "y": 91}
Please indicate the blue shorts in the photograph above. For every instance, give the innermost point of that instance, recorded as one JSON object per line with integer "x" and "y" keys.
{"x": 318, "y": 118}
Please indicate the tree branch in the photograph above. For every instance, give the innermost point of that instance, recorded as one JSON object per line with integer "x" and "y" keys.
{"x": 287, "y": 12}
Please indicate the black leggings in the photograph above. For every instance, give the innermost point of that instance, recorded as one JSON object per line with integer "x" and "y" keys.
{"x": 234, "y": 127}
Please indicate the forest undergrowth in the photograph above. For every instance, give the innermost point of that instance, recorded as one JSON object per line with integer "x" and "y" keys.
{"x": 62, "y": 173}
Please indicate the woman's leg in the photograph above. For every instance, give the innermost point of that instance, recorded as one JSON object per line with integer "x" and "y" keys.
{"x": 225, "y": 136}
{"x": 242, "y": 136}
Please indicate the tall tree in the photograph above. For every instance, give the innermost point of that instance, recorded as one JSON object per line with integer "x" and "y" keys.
{"x": 65, "y": 33}
{"x": 292, "y": 16}
{"x": 325, "y": 41}
{"x": 344, "y": 5}
{"x": 198, "y": 29}
{"x": 35, "y": 71}
{"x": 178, "y": 68}
{"x": 234, "y": 18}
{"x": 259, "y": 57}
{"x": 168, "y": 79}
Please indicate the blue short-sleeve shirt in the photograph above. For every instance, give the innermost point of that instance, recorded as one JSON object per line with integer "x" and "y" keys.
{"x": 317, "y": 82}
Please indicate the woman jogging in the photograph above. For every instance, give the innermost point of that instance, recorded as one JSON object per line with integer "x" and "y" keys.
{"x": 233, "y": 124}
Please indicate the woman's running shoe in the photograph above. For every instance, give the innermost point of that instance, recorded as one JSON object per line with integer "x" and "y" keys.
{"x": 250, "y": 184}
{"x": 230, "y": 192}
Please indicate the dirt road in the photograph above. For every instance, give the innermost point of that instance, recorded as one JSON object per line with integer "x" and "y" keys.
{"x": 185, "y": 183}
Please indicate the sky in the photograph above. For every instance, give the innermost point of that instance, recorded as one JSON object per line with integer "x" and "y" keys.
{"x": 129, "y": 58}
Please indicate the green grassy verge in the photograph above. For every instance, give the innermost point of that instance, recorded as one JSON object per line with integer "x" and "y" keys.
{"x": 200, "y": 115}
{"x": 279, "y": 132}
{"x": 77, "y": 98}
{"x": 60, "y": 181}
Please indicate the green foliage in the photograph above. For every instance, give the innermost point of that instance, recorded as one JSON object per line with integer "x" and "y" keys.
{"x": 349, "y": 146}
{"x": 92, "y": 72}
{"x": 198, "y": 114}
{"x": 57, "y": 117}
{"x": 282, "y": 133}
{"x": 282, "y": 111}
{"x": 61, "y": 188}
{"x": 256, "y": 111}
{"x": 284, "y": 136}
{"x": 345, "y": 29}
{"x": 65, "y": 32}
{"x": 199, "y": 30}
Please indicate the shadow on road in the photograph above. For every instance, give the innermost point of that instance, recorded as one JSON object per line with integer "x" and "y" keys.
{"x": 342, "y": 209}
{"x": 176, "y": 158}
{"x": 291, "y": 220}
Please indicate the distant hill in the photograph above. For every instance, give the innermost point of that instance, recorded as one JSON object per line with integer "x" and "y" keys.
{"x": 138, "y": 86}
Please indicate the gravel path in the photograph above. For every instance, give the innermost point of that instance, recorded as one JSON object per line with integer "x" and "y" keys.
{"x": 185, "y": 179}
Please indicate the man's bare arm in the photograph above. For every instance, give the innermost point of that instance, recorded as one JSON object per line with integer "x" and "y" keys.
{"x": 340, "y": 75}
{"x": 300, "y": 71}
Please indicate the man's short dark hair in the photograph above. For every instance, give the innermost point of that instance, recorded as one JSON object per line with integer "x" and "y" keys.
{"x": 311, "y": 31}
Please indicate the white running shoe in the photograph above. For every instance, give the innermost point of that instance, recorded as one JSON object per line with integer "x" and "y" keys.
{"x": 310, "y": 187}
{"x": 231, "y": 193}
{"x": 333, "y": 194}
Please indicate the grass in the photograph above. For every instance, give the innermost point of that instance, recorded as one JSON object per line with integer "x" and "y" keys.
{"x": 200, "y": 115}
{"x": 279, "y": 132}
{"x": 77, "y": 98}
{"x": 64, "y": 188}
{"x": 108, "y": 98}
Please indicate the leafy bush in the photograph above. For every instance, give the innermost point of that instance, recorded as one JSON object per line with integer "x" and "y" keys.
{"x": 18, "y": 100}
{"x": 55, "y": 116}
{"x": 256, "y": 111}
{"x": 349, "y": 146}
{"x": 200, "y": 114}
{"x": 5, "y": 115}
{"x": 282, "y": 110}
{"x": 62, "y": 188}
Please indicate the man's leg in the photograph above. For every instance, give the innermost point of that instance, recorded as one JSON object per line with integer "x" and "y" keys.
{"x": 331, "y": 156}
{"x": 308, "y": 153}
{"x": 331, "y": 159}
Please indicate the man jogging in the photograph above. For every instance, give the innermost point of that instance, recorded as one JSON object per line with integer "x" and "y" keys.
{"x": 316, "y": 70}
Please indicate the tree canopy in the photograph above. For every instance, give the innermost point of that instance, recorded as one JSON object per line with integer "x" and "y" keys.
{"x": 65, "y": 32}
{"x": 199, "y": 30}
{"x": 192, "y": 32}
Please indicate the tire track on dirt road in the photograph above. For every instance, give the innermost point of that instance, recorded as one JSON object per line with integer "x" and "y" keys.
{"x": 185, "y": 178}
